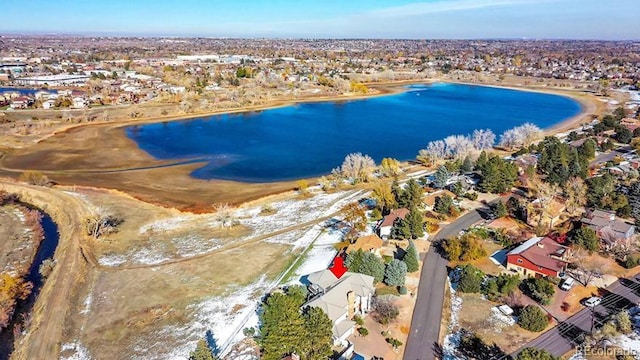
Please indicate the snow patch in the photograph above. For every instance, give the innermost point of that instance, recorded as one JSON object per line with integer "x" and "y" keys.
{"x": 78, "y": 352}
{"x": 112, "y": 260}
{"x": 452, "y": 339}
{"x": 223, "y": 316}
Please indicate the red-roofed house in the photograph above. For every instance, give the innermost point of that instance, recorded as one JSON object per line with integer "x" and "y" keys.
{"x": 538, "y": 257}
{"x": 384, "y": 228}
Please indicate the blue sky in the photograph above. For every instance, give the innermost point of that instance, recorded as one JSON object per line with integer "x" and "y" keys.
{"x": 461, "y": 19}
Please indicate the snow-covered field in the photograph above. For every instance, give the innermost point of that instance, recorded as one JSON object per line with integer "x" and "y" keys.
{"x": 286, "y": 213}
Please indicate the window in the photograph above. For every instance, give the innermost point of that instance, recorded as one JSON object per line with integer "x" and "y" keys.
{"x": 519, "y": 261}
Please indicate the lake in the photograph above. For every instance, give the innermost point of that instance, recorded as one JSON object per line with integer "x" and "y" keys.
{"x": 310, "y": 139}
{"x": 24, "y": 91}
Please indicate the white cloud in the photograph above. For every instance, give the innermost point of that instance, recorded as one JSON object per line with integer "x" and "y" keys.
{"x": 432, "y": 7}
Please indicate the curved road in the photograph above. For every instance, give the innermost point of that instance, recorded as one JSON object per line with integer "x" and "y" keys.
{"x": 422, "y": 343}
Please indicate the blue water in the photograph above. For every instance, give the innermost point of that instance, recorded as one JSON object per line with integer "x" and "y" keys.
{"x": 310, "y": 139}
{"x": 24, "y": 91}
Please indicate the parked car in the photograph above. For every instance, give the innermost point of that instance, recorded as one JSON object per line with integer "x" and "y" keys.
{"x": 567, "y": 283}
{"x": 592, "y": 301}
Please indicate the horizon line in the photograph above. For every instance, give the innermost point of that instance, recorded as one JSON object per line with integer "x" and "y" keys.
{"x": 257, "y": 37}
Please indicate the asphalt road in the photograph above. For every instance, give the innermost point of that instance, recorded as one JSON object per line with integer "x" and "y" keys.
{"x": 422, "y": 343}
{"x": 621, "y": 295}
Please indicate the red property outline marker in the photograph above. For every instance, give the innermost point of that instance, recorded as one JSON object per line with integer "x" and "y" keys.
{"x": 337, "y": 267}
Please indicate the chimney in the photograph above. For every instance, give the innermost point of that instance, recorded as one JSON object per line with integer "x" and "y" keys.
{"x": 351, "y": 304}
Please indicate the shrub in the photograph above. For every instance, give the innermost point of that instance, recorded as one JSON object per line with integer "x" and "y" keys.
{"x": 533, "y": 318}
{"x": 358, "y": 320}
{"x": 394, "y": 342}
{"x": 470, "y": 279}
{"x": 385, "y": 311}
{"x": 539, "y": 289}
{"x": 473, "y": 196}
{"x": 464, "y": 248}
{"x": 363, "y": 331}
{"x": 472, "y": 347}
{"x": 402, "y": 290}
{"x": 535, "y": 354}
{"x": 631, "y": 261}
{"x": 46, "y": 267}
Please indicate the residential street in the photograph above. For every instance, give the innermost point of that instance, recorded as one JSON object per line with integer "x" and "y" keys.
{"x": 622, "y": 294}
{"x": 422, "y": 343}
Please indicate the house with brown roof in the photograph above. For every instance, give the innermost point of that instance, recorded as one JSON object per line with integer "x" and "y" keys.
{"x": 537, "y": 257}
{"x": 370, "y": 243}
{"x": 612, "y": 231}
{"x": 430, "y": 199}
{"x": 385, "y": 226}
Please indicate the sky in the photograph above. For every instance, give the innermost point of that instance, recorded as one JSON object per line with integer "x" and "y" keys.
{"x": 410, "y": 19}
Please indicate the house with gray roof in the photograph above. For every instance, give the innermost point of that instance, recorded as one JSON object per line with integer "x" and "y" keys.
{"x": 341, "y": 299}
{"x": 611, "y": 230}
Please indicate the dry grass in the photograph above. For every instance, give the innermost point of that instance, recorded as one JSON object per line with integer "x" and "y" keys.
{"x": 474, "y": 316}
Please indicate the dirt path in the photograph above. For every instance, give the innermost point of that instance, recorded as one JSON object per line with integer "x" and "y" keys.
{"x": 52, "y": 305}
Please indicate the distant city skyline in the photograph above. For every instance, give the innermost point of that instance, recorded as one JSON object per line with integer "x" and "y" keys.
{"x": 434, "y": 19}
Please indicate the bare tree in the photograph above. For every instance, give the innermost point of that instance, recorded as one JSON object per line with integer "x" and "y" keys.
{"x": 576, "y": 192}
{"x": 102, "y": 223}
{"x": 357, "y": 167}
{"x": 544, "y": 193}
{"x": 483, "y": 139}
{"x": 224, "y": 215}
{"x": 522, "y": 135}
{"x": 587, "y": 269}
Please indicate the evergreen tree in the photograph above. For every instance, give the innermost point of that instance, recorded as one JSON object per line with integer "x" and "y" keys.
{"x": 202, "y": 352}
{"x": 467, "y": 165}
{"x": 586, "y": 238}
{"x": 470, "y": 279}
{"x": 443, "y": 204}
{"x": 500, "y": 209}
{"x": 401, "y": 229}
{"x": 317, "y": 343}
{"x": 415, "y": 223}
{"x": 395, "y": 273}
{"x": 282, "y": 327}
{"x": 413, "y": 194}
{"x": 533, "y": 318}
{"x": 441, "y": 177}
{"x": 411, "y": 258}
{"x": 365, "y": 263}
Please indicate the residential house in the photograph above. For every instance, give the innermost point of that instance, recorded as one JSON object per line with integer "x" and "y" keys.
{"x": 524, "y": 161}
{"x": 21, "y": 102}
{"x": 79, "y": 103}
{"x": 341, "y": 299}
{"x": 630, "y": 123}
{"x": 370, "y": 243}
{"x": 611, "y": 231}
{"x": 49, "y": 104}
{"x": 537, "y": 257}
{"x": 430, "y": 199}
{"x": 385, "y": 226}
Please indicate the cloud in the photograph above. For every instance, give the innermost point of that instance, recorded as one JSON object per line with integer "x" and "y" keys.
{"x": 432, "y": 7}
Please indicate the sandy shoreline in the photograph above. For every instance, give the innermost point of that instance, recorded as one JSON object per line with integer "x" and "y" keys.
{"x": 76, "y": 155}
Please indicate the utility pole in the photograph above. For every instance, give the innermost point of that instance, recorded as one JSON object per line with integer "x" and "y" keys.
{"x": 593, "y": 315}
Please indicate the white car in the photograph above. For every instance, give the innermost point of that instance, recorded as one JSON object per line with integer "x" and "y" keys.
{"x": 567, "y": 284}
{"x": 592, "y": 301}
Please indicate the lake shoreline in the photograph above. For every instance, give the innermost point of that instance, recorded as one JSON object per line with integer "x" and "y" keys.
{"x": 173, "y": 186}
